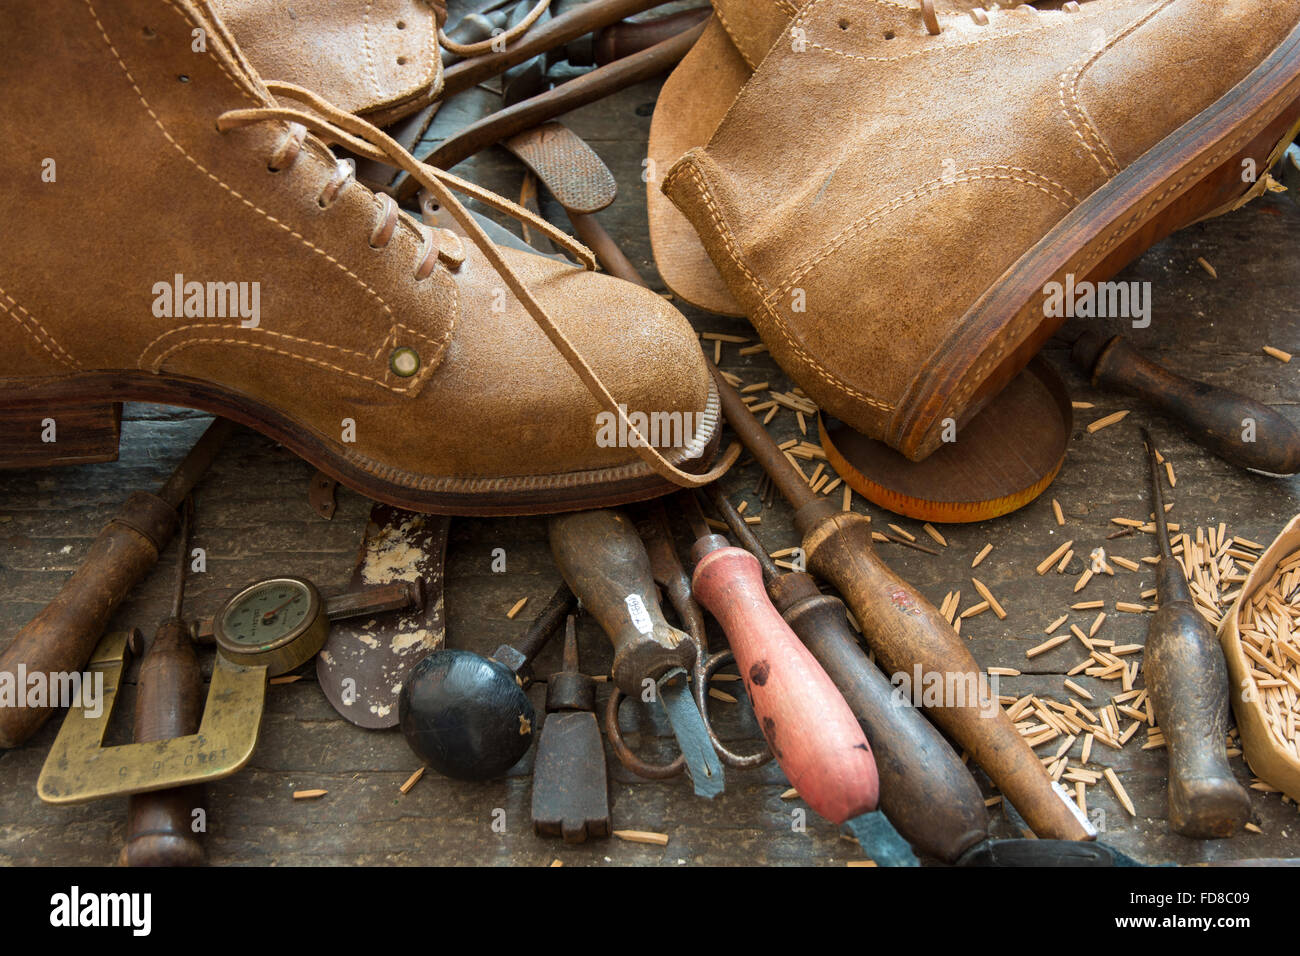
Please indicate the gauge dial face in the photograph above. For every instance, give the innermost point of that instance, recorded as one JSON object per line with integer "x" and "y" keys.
{"x": 269, "y": 612}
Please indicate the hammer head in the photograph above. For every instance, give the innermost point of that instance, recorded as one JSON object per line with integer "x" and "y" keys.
{"x": 570, "y": 792}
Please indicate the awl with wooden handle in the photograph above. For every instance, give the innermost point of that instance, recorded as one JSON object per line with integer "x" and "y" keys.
{"x": 907, "y": 632}
{"x": 1188, "y": 680}
{"x": 812, "y": 732}
{"x": 925, "y": 789}
{"x": 605, "y": 564}
{"x": 1238, "y": 429}
{"x": 62, "y": 636}
{"x": 160, "y": 825}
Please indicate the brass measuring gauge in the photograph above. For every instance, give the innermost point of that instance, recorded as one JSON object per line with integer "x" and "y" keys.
{"x": 278, "y": 623}
{"x": 268, "y": 628}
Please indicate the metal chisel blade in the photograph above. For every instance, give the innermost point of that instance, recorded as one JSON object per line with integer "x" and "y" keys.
{"x": 702, "y": 761}
{"x": 880, "y": 841}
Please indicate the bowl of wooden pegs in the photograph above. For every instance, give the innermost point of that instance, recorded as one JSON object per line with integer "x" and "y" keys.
{"x": 1260, "y": 637}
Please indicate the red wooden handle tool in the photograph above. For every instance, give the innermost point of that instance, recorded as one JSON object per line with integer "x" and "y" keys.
{"x": 811, "y": 730}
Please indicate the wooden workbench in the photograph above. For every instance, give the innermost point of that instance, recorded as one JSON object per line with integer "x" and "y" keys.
{"x": 254, "y": 520}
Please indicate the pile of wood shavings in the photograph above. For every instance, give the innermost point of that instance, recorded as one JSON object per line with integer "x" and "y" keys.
{"x": 1269, "y": 625}
{"x": 1215, "y": 566}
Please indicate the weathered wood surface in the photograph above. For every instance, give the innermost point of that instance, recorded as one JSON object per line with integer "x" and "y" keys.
{"x": 254, "y": 520}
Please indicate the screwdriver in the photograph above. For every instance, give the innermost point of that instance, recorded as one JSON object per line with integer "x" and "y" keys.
{"x": 812, "y": 732}
{"x": 1188, "y": 681}
{"x": 925, "y": 789}
{"x": 907, "y": 632}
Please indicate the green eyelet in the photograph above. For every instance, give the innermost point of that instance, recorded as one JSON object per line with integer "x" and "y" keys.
{"x": 404, "y": 361}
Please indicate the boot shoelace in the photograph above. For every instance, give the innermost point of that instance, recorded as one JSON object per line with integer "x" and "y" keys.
{"x": 334, "y": 125}
{"x": 931, "y": 19}
{"x": 498, "y": 41}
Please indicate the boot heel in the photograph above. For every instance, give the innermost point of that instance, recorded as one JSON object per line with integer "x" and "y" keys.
{"x": 43, "y": 435}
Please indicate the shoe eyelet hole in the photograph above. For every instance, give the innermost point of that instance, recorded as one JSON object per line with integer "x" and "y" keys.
{"x": 184, "y": 78}
{"x": 272, "y": 169}
{"x": 401, "y": 24}
{"x": 404, "y": 361}
{"x": 401, "y": 61}
{"x": 320, "y": 201}
{"x": 843, "y": 24}
{"x": 148, "y": 33}
{"x": 889, "y": 34}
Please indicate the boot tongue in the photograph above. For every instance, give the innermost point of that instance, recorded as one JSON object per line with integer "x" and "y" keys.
{"x": 360, "y": 61}
{"x": 754, "y": 25}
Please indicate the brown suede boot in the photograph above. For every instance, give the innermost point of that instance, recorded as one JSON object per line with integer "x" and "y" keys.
{"x": 177, "y": 231}
{"x": 902, "y": 187}
{"x": 380, "y": 60}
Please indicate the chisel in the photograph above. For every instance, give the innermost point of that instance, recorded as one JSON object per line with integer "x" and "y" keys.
{"x": 606, "y": 565}
{"x": 906, "y": 632}
{"x": 812, "y": 732}
{"x": 1188, "y": 680}
{"x": 925, "y": 789}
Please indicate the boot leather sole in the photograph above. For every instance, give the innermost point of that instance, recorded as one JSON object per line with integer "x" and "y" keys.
{"x": 88, "y": 432}
{"x": 1192, "y": 174}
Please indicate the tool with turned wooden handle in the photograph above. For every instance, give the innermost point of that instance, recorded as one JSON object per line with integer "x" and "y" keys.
{"x": 1188, "y": 679}
{"x": 907, "y": 632}
{"x": 925, "y": 789}
{"x": 62, "y": 636}
{"x": 605, "y": 564}
{"x": 1219, "y": 419}
{"x": 804, "y": 718}
{"x": 169, "y": 703}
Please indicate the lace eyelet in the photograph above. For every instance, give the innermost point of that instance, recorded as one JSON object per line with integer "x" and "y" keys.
{"x": 404, "y": 361}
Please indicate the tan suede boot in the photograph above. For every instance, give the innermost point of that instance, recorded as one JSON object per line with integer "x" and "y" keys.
{"x": 901, "y": 186}
{"x": 379, "y": 59}
{"x": 173, "y": 232}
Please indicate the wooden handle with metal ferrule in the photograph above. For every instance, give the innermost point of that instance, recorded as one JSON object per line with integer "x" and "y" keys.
{"x": 1188, "y": 678}
{"x": 811, "y": 730}
{"x": 160, "y": 828}
{"x": 62, "y": 636}
{"x": 911, "y": 638}
{"x": 1235, "y": 427}
{"x": 925, "y": 789}
{"x": 605, "y": 564}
